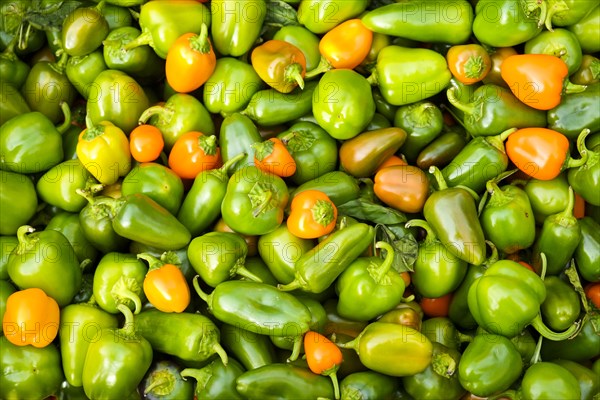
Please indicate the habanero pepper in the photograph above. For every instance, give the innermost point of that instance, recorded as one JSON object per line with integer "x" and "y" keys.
{"x": 194, "y": 152}
{"x": 280, "y": 64}
{"x": 165, "y": 285}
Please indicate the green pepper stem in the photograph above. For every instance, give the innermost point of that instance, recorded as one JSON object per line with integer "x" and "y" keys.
{"x": 469, "y": 190}
{"x": 444, "y": 365}
{"x": 196, "y": 285}
{"x": 145, "y": 38}
{"x": 438, "y": 177}
{"x": 456, "y": 117}
{"x": 508, "y": 394}
{"x": 293, "y": 73}
{"x": 243, "y": 271}
{"x": 336, "y": 385}
{"x": 130, "y": 295}
{"x": 66, "y": 124}
{"x": 155, "y": 384}
{"x": 373, "y": 78}
{"x": 323, "y": 66}
{"x": 208, "y": 144}
{"x": 544, "y": 266}
{"x": 570, "y": 87}
{"x": 100, "y": 6}
{"x": 232, "y": 161}
{"x": 83, "y": 264}
{"x": 128, "y": 327}
{"x": 221, "y": 352}
{"x": 263, "y": 150}
{"x": 293, "y": 285}
{"x": 494, "y": 256}
{"x": 474, "y": 67}
{"x": 296, "y": 349}
{"x": 162, "y": 111}
{"x": 201, "y": 375}
{"x": 582, "y": 149}
{"x": 153, "y": 262}
{"x": 546, "y": 332}
{"x": 453, "y": 99}
{"x": 535, "y": 358}
{"x": 430, "y": 236}
{"x": 266, "y": 200}
{"x": 387, "y": 262}
{"x": 22, "y": 234}
{"x": 323, "y": 212}
{"x": 91, "y": 131}
{"x": 492, "y": 185}
{"x": 200, "y": 42}
{"x": 567, "y": 213}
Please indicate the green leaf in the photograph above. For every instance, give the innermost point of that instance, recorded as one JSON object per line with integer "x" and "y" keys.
{"x": 50, "y": 14}
{"x": 12, "y": 14}
{"x": 405, "y": 247}
{"x": 280, "y": 13}
{"x": 366, "y": 210}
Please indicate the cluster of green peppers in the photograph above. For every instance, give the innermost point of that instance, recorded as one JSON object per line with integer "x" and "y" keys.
{"x": 512, "y": 263}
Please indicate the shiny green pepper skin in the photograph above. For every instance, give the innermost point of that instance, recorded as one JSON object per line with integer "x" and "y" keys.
{"x": 236, "y": 24}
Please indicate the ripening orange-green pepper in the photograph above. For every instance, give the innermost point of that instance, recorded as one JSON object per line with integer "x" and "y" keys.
{"x": 165, "y": 285}
{"x": 31, "y": 318}
{"x": 280, "y": 64}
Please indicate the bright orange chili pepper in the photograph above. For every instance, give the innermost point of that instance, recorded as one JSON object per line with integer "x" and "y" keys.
{"x": 312, "y": 215}
{"x": 193, "y": 153}
{"x": 166, "y": 288}
{"x": 272, "y": 156}
{"x": 323, "y": 357}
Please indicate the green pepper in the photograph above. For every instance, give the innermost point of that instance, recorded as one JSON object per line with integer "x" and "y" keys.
{"x": 82, "y": 71}
{"x": 489, "y": 364}
{"x": 380, "y": 350}
{"x": 560, "y": 43}
{"x": 163, "y": 380}
{"x": 587, "y": 74}
{"x": 585, "y": 179}
{"x": 369, "y": 287}
{"x": 303, "y": 39}
{"x": 493, "y": 110}
{"x": 118, "y": 279}
{"x": 504, "y": 23}
{"x": 231, "y": 86}
{"x": 440, "y": 379}
{"x": 437, "y": 271}
{"x": 339, "y": 186}
{"x": 12, "y": 103}
{"x": 507, "y": 218}
{"x": 18, "y": 201}
{"x": 45, "y": 260}
{"x": 254, "y": 201}
{"x": 29, "y": 372}
{"x": 69, "y": 225}
{"x": 6, "y": 289}
{"x": 141, "y": 62}
{"x": 589, "y": 382}
{"x": 409, "y": 314}
{"x": 191, "y": 337}
{"x": 30, "y": 143}
{"x": 219, "y": 256}
{"x": 317, "y": 269}
{"x": 381, "y": 105}
{"x": 270, "y": 107}
{"x": 320, "y": 16}
{"x": 259, "y": 308}
{"x": 258, "y": 268}
{"x": 584, "y": 346}
{"x": 558, "y": 239}
{"x": 442, "y": 150}
{"x": 561, "y": 307}
{"x": 163, "y": 21}
{"x": 442, "y": 330}
{"x": 507, "y": 298}
{"x": 14, "y": 71}
{"x": 587, "y": 253}
{"x": 58, "y": 185}
{"x": 365, "y": 385}
{"x": 156, "y": 181}
{"x": 453, "y": 218}
{"x": 312, "y": 148}
{"x": 83, "y": 30}
{"x": 283, "y": 381}
{"x": 180, "y": 114}
{"x": 547, "y": 197}
{"x": 361, "y": 155}
{"x": 586, "y": 31}
{"x": 116, "y": 363}
{"x": 96, "y": 224}
{"x": 216, "y": 380}
{"x": 117, "y": 98}
{"x": 47, "y": 87}
{"x": 423, "y": 122}
{"x": 576, "y": 112}
{"x": 422, "y": 21}
{"x": 236, "y": 24}
{"x": 7, "y": 245}
{"x": 482, "y": 159}
{"x": 407, "y": 75}
{"x": 280, "y": 250}
{"x": 237, "y": 135}
{"x": 547, "y": 380}
{"x": 342, "y": 103}
{"x": 137, "y": 217}
{"x": 251, "y": 349}
{"x": 79, "y": 324}
{"x": 117, "y": 15}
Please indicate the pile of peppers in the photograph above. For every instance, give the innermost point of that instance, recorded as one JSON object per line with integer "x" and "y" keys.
{"x": 300, "y": 199}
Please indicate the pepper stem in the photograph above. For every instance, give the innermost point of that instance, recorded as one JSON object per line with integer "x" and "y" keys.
{"x": 263, "y": 204}
{"x": 91, "y": 131}
{"x": 444, "y": 365}
{"x": 22, "y": 234}
{"x": 385, "y": 266}
{"x": 474, "y": 67}
{"x": 570, "y": 87}
{"x": 453, "y": 99}
{"x": 336, "y": 385}
{"x": 430, "y": 236}
{"x": 293, "y": 285}
{"x": 66, "y": 124}
{"x": 196, "y": 285}
{"x": 200, "y": 42}
{"x": 535, "y": 358}
{"x": 568, "y": 211}
{"x": 243, "y": 271}
{"x": 544, "y": 265}
{"x": 582, "y": 149}
{"x": 296, "y": 349}
{"x": 323, "y": 212}
{"x": 323, "y": 66}
{"x": 231, "y": 162}
{"x": 221, "y": 352}
{"x": 208, "y": 144}
{"x": 439, "y": 178}
{"x": 202, "y": 375}
{"x": 162, "y": 111}
{"x": 373, "y": 79}
{"x": 145, "y": 38}
{"x": 130, "y": 295}
{"x": 293, "y": 73}
{"x": 153, "y": 262}
{"x": 155, "y": 384}
{"x": 546, "y": 332}
{"x": 128, "y": 326}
